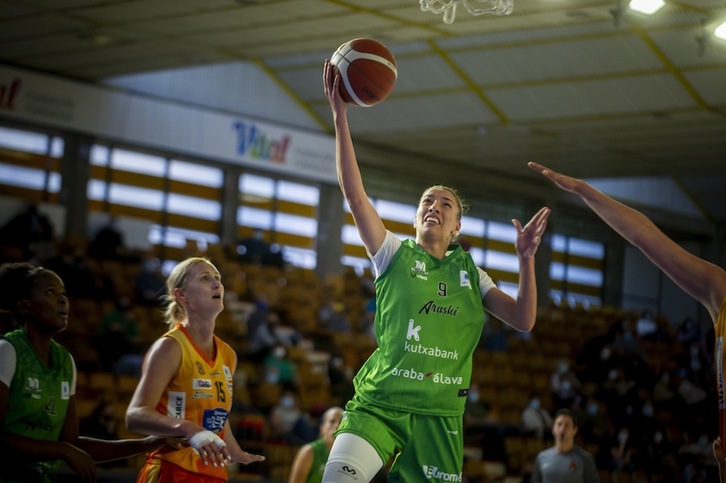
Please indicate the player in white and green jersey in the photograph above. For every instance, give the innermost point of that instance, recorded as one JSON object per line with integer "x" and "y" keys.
{"x": 38, "y": 419}
{"x": 430, "y": 304}
{"x": 44, "y": 391}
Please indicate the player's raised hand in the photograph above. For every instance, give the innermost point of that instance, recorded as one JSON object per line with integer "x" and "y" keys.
{"x": 529, "y": 237}
{"x": 565, "y": 182}
{"x": 331, "y": 87}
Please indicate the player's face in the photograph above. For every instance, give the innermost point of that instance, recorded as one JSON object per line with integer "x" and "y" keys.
{"x": 331, "y": 421}
{"x": 563, "y": 429}
{"x": 438, "y": 212}
{"x": 204, "y": 291}
{"x": 47, "y": 305}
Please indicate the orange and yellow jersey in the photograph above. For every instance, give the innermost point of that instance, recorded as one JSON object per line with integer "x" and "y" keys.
{"x": 720, "y": 366}
{"x": 200, "y": 391}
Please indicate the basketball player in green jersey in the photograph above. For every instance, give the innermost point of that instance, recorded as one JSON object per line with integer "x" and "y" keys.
{"x": 37, "y": 387}
{"x": 703, "y": 280}
{"x": 310, "y": 460}
{"x": 430, "y": 301}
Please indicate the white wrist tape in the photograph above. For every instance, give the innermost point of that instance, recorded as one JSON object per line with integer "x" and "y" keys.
{"x": 205, "y": 437}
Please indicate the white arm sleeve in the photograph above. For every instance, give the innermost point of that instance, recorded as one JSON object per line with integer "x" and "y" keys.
{"x": 485, "y": 282}
{"x": 8, "y": 361}
{"x": 385, "y": 254}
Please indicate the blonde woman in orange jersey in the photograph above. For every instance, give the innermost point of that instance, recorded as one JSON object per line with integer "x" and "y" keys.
{"x": 186, "y": 384}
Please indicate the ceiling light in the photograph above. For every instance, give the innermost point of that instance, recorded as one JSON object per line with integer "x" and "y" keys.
{"x": 648, "y": 7}
{"x": 720, "y": 31}
{"x": 474, "y": 7}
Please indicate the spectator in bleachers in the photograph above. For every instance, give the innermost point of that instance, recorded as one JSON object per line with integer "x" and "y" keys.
{"x": 119, "y": 335}
{"x": 617, "y": 394}
{"x": 646, "y": 325}
{"x": 333, "y": 315}
{"x": 261, "y": 336}
{"x": 369, "y": 310}
{"x": 284, "y": 334}
{"x": 255, "y": 249}
{"x": 279, "y": 369}
{"x": 596, "y": 359}
{"x": 477, "y": 412}
{"x": 536, "y": 419}
{"x": 664, "y": 391}
{"x": 72, "y": 266}
{"x": 694, "y": 359}
{"x": 109, "y": 242}
{"x": 288, "y": 422}
{"x": 482, "y": 426}
{"x": 689, "y": 331}
{"x": 625, "y": 342}
{"x": 565, "y": 386}
{"x": 494, "y": 336}
{"x": 341, "y": 379}
{"x": 695, "y": 455}
{"x": 150, "y": 282}
{"x": 657, "y": 457}
{"x": 594, "y": 426}
{"x": 621, "y": 451}
{"x": 31, "y": 233}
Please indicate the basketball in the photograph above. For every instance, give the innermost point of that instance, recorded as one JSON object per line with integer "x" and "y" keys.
{"x": 367, "y": 71}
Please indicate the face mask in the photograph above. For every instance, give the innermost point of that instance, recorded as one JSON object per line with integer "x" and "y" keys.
{"x": 592, "y": 409}
{"x": 287, "y": 402}
{"x": 534, "y": 403}
{"x": 648, "y": 411}
{"x": 473, "y": 396}
{"x": 279, "y": 352}
{"x": 272, "y": 377}
{"x": 563, "y": 368}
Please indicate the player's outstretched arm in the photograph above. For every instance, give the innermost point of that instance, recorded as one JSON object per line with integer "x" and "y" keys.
{"x": 369, "y": 223}
{"x": 236, "y": 453}
{"x": 701, "y": 279}
{"x": 20, "y": 449}
{"x": 521, "y": 313}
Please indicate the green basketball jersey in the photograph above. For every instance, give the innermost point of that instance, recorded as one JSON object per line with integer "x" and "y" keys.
{"x": 320, "y": 457}
{"x": 38, "y": 395}
{"x": 429, "y": 318}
